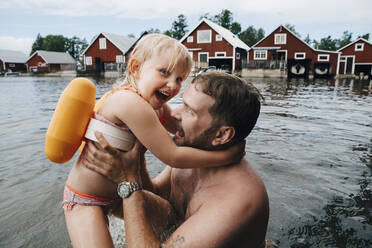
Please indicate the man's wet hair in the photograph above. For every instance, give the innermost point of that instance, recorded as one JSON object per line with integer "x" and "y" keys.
{"x": 237, "y": 103}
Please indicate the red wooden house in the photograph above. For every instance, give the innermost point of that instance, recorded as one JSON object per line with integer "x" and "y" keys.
{"x": 282, "y": 47}
{"x": 213, "y": 45}
{"x": 12, "y": 61}
{"x": 107, "y": 52}
{"x": 356, "y": 58}
{"x": 47, "y": 61}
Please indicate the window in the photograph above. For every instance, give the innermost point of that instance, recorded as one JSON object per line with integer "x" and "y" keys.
{"x": 203, "y": 57}
{"x": 204, "y": 36}
{"x": 102, "y": 43}
{"x": 11, "y": 65}
{"x": 237, "y": 55}
{"x": 260, "y": 54}
{"x": 218, "y": 37}
{"x": 88, "y": 60}
{"x": 220, "y": 54}
{"x": 323, "y": 57}
{"x": 342, "y": 58}
{"x": 190, "y": 39}
{"x": 300, "y": 55}
{"x": 119, "y": 59}
{"x": 359, "y": 46}
{"x": 280, "y": 39}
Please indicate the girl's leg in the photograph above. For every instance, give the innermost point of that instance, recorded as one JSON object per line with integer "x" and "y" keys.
{"x": 87, "y": 227}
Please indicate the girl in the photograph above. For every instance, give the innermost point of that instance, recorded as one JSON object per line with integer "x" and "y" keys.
{"x": 158, "y": 66}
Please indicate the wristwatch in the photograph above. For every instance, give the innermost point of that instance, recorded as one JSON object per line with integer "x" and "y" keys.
{"x": 125, "y": 189}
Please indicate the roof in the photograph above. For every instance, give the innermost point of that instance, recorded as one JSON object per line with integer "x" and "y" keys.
{"x": 288, "y": 30}
{"x": 8, "y": 56}
{"x": 225, "y": 33}
{"x": 359, "y": 39}
{"x": 123, "y": 43}
{"x": 54, "y": 57}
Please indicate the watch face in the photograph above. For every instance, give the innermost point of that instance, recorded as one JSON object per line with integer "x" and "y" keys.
{"x": 123, "y": 190}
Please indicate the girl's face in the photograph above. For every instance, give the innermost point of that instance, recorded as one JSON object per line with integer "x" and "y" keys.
{"x": 156, "y": 83}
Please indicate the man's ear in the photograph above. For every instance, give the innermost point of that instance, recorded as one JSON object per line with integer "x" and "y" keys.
{"x": 134, "y": 67}
{"x": 224, "y": 135}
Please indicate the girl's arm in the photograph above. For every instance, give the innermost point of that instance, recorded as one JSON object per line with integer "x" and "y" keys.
{"x": 142, "y": 120}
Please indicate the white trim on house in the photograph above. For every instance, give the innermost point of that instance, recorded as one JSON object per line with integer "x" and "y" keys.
{"x": 280, "y": 39}
{"x": 362, "y": 63}
{"x": 203, "y": 34}
{"x": 326, "y": 59}
{"x": 260, "y": 53}
{"x": 88, "y": 60}
{"x": 286, "y": 53}
{"x": 218, "y": 54}
{"x": 202, "y": 53}
{"x": 102, "y": 43}
{"x": 194, "y": 49}
{"x": 357, "y": 48}
{"x": 227, "y": 57}
{"x": 360, "y": 39}
{"x": 233, "y": 61}
{"x": 353, "y": 65}
{"x": 302, "y": 55}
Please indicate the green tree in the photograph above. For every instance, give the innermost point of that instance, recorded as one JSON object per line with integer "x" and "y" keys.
{"x": 55, "y": 43}
{"x": 365, "y": 36}
{"x": 224, "y": 18}
{"x": 38, "y": 44}
{"x": 75, "y": 46}
{"x": 235, "y": 28}
{"x": 251, "y": 36}
{"x": 307, "y": 39}
{"x": 346, "y": 38}
{"x": 178, "y": 29}
{"x": 153, "y": 30}
{"x": 292, "y": 28}
{"x": 206, "y": 16}
{"x": 328, "y": 43}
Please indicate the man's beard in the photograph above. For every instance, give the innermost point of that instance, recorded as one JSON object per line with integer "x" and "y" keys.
{"x": 203, "y": 141}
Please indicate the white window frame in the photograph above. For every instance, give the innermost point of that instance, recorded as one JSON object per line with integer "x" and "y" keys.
{"x": 207, "y": 53}
{"x": 237, "y": 55}
{"x": 296, "y": 55}
{"x": 280, "y": 39}
{"x": 342, "y": 58}
{"x": 120, "y": 59}
{"x": 88, "y": 60}
{"x": 218, "y": 37}
{"x": 260, "y": 53}
{"x": 361, "y": 46}
{"x": 199, "y": 32}
{"x": 190, "y": 39}
{"x": 11, "y": 65}
{"x": 102, "y": 43}
{"x": 325, "y": 59}
{"x": 218, "y": 54}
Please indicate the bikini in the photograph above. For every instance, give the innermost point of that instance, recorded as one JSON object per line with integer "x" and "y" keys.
{"x": 71, "y": 196}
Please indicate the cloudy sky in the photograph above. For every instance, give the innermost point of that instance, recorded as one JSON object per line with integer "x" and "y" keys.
{"x": 22, "y": 20}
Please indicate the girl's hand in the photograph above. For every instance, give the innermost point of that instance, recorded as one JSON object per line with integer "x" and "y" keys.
{"x": 114, "y": 164}
{"x": 236, "y": 152}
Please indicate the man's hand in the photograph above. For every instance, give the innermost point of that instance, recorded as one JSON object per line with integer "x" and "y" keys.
{"x": 116, "y": 165}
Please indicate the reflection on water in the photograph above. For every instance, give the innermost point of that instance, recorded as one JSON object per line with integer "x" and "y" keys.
{"x": 312, "y": 146}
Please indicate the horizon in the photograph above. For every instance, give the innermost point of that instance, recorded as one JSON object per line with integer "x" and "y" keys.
{"x": 85, "y": 19}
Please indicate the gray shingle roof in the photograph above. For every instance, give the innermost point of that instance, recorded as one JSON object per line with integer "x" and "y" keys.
{"x": 8, "y": 56}
{"x": 55, "y": 57}
{"x": 123, "y": 43}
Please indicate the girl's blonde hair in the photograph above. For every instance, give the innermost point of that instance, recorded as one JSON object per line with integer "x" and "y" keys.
{"x": 155, "y": 45}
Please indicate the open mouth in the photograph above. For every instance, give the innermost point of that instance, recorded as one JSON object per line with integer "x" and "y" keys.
{"x": 179, "y": 134}
{"x": 162, "y": 96}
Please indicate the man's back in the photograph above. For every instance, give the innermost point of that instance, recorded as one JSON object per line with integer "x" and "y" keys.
{"x": 231, "y": 199}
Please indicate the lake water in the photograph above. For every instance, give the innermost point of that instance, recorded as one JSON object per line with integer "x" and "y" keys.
{"x": 312, "y": 146}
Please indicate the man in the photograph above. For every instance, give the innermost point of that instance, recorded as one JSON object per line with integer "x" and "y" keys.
{"x": 224, "y": 206}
